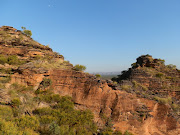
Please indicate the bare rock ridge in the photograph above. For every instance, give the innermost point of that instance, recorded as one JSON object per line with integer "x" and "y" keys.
{"x": 128, "y": 109}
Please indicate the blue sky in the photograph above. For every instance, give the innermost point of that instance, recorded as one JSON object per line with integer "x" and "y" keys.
{"x": 103, "y": 35}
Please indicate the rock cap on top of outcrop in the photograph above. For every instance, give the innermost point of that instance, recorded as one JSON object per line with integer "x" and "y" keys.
{"x": 148, "y": 61}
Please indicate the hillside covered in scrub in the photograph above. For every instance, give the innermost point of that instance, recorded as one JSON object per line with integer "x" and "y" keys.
{"x": 28, "y": 102}
{"x": 41, "y": 93}
{"x": 28, "y": 109}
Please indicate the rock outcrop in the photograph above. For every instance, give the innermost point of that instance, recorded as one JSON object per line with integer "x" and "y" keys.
{"x": 127, "y": 111}
{"x": 153, "y": 74}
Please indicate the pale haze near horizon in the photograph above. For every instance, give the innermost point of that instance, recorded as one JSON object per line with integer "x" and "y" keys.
{"x": 103, "y": 35}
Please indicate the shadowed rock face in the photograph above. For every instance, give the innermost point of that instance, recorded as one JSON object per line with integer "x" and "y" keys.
{"x": 127, "y": 111}
{"x": 148, "y": 61}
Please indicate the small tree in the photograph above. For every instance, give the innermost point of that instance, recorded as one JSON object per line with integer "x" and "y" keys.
{"x": 171, "y": 66}
{"x": 26, "y": 32}
{"x": 79, "y": 67}
{"x": 161, "y": 61}
{"x": 98, "y": 75}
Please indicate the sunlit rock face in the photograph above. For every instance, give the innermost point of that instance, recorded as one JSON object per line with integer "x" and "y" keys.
{"x": 127, "y": 111}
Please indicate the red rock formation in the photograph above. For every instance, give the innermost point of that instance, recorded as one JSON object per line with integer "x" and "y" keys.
{"x": 127, "y": 111}
{"x": 123, "y": 108}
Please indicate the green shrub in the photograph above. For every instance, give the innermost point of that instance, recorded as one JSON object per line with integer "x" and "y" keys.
{"x": 79, "y": 67}
{"x": 144, "y": 88}
{"x": 63, "y": 118}
{"x": 3, "y": 59}
{"x": 98, "y": 75}
{"x": 50, "y": 98}
{"x": 171, "y": 66}
{"x": 84, "y": 116}
{"x": 169, "y": 77}
{"x": 135, "y": 84}
{"x": 12, "y": 60}
{"x": 115, "y": 83}
{"x": 6, "y": 112}
{"x": 54, "y": 129}
{"x": 82, "y": 131}
{"x": 47, "y": 119}
{"x": 28, "y": 131}
{"x": 65, "y": 103}
{"x": 26, "y": 32}
{"x": 27, "y": 121}
{"x": 16, "y": 102}
{"x": 175, "y": 107}
{"x": 161, "y": 61}
{"x": 8, "y": 128}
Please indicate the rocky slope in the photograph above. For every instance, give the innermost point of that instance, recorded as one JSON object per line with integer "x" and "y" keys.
{"x": 152, "y": 76}
{"x": 125, "y": 108}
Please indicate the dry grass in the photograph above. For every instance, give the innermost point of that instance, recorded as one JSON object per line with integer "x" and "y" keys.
{"x": 53, "y": 64}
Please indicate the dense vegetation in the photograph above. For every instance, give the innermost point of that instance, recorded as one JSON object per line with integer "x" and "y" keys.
{"x": 59, "y": 119}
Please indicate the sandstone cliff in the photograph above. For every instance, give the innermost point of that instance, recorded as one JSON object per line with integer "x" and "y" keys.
{"x": 127, "y": 109}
